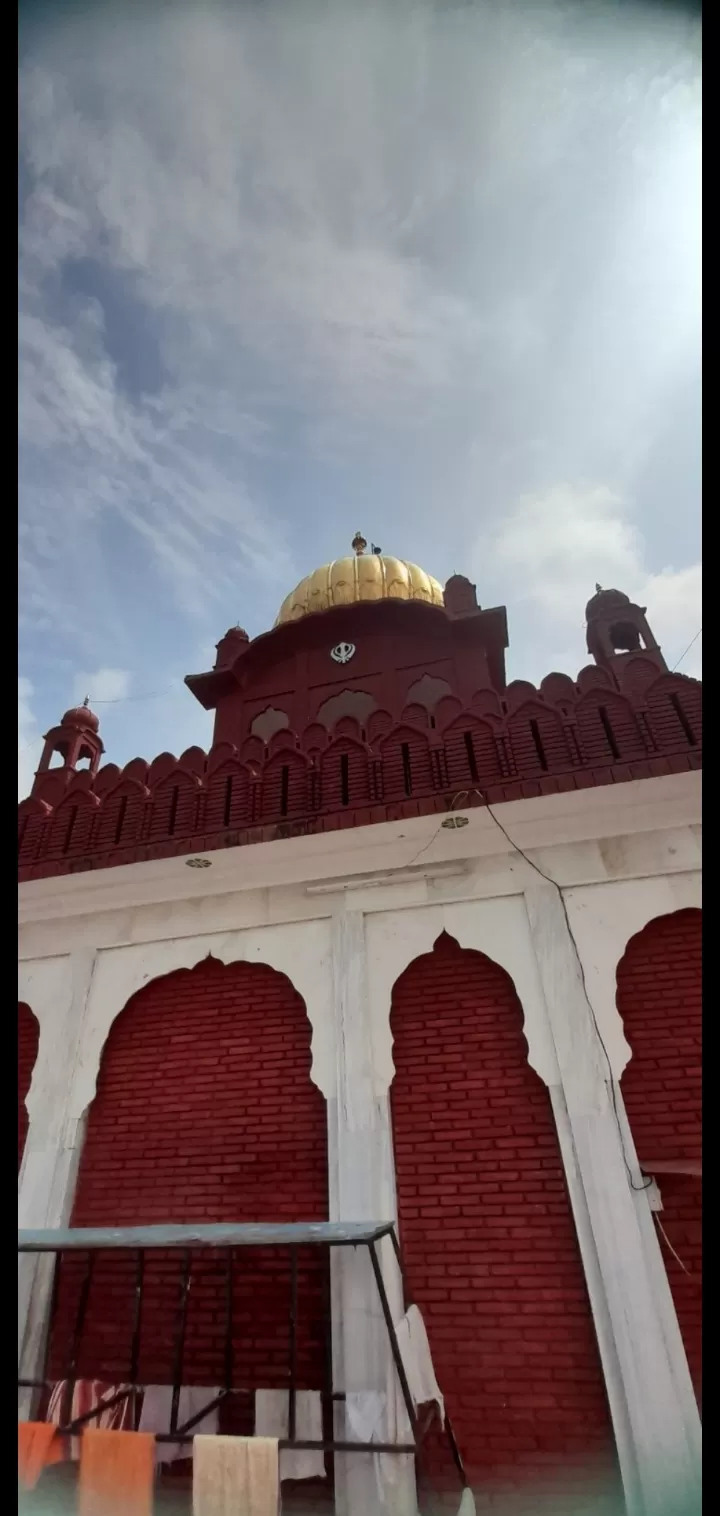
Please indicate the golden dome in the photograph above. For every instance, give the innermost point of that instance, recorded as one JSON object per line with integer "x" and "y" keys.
{"x": 355, "y": 580}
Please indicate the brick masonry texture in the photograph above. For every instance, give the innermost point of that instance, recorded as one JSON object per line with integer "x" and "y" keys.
{"x": 659, "y": 996}
{"x": 204, "y": 1112}
{"x": 487, "y": 1231}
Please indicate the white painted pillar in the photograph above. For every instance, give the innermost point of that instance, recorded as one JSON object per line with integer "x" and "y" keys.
{"x": 659, "y": 1450}
{"x": 57, "y": 991}
{"x": 603, "y": 920}
{"x": 362, "y": 1188}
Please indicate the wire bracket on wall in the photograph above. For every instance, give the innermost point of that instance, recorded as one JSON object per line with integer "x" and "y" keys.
{"x": 652, "y": 1190}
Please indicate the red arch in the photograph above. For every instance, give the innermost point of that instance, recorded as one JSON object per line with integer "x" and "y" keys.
{"x": 659, "y": 996}
{"x": 28, "y": 1039}
{"x": 205, "y": 1111}
{"x": 486, "y": 1227}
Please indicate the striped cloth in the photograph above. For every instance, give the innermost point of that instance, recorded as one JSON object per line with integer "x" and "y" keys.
{"x": 87, "y": 1394}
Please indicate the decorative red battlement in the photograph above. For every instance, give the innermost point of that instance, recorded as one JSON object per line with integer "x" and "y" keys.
{"x": 362, "y": 714}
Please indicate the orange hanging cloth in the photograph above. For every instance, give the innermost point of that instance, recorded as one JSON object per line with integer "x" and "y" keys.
{"x": 37, "y": 1447}
{"x": 117, "y": 1473}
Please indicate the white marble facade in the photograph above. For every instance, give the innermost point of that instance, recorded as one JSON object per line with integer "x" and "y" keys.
{"x": 342, "y": 914}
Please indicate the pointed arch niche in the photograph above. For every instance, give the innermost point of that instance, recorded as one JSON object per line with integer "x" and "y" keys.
{"x": 487, "y": 1230}
{"x": 497, "y": 926}
{"x": 659, "y": 998}
{"x": 28, "y": 1040}
{"x": 205, "y": 1110}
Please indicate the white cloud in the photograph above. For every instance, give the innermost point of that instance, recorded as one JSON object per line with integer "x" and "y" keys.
{"x": 475, "y": 229}
{"x": 104, "y": 686}
{"x": 29, "y": 738}
{"x": 674, "y": 602}
{"x": 553, "y": 548}
{"x": 254, "y": 202}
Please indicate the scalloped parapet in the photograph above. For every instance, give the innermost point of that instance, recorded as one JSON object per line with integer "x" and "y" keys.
{"x": 567, "y": 734}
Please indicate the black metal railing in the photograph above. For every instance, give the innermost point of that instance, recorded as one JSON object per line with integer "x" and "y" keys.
{"x": 139, "y": 1241}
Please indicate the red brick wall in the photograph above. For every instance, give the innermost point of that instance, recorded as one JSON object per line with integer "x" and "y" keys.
{"x": 487, "y": 1230}
{"x": 28, "y": 1035}
{"x": 204, "y": 1112}
{"x": 659, "y": 996}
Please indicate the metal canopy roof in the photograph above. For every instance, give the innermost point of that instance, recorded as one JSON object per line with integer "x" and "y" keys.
{"x": 255, "y": 1234}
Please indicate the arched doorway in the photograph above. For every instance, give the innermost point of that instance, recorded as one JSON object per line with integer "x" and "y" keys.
{"x": 659, "y": 997}
{"x": 487, "y": 1231}
{"x": 28, "y": 1040}
{"x": 205, "y": 1112}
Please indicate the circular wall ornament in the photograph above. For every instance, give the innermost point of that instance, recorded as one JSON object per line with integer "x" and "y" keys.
{"x": 343, "y": 652}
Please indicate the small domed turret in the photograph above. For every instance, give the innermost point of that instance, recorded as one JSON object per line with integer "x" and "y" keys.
{"x": 605, "y": 601}
{"x": 81, "y": 717}
{"x": 77, "y": 741}
{"x": 616, "y": 626}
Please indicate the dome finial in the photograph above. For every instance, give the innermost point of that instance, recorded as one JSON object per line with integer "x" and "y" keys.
{"x": 359, "y": 544}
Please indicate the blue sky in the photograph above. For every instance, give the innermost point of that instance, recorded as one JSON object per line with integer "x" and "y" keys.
{"x": 294, "y": 269}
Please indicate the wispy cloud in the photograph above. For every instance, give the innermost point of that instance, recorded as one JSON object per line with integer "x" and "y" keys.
{"x": 553, "y": 549}
{"x": 290, "y": 269}
{"x": 152, "y": 471}
{"x": 105, "y": 686}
